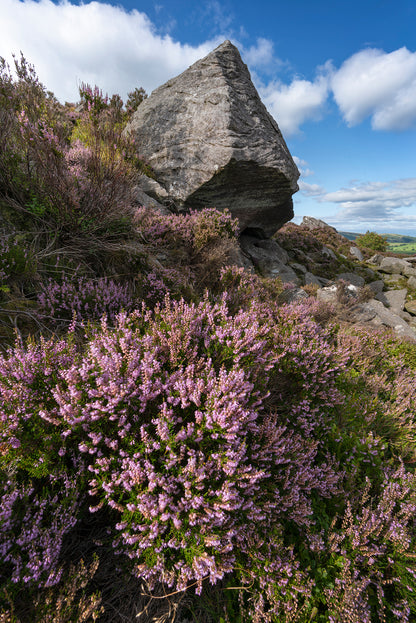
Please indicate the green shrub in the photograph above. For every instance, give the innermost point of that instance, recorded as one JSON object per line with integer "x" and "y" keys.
{"x": 372, "y": 240}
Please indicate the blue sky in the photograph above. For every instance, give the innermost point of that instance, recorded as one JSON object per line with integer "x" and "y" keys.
{"x": 339, "y": 78}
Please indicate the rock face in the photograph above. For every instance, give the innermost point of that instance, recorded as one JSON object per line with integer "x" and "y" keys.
{"x": 212, "y": 143}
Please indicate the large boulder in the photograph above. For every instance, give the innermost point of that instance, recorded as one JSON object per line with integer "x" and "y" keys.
{"x": 212, "y": 143}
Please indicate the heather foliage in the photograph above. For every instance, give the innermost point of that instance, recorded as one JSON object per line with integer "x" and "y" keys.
{"x": 193, "y": 231}
{"x": 184, "y": 438}
{"x": 82, "y": 298}
{"x": 217, "y": 444}
{"x": 75, "y": 181}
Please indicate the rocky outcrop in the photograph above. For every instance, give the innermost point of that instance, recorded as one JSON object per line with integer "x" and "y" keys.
{"x": 315, "y": 223}
{"x": 212, "y": 143}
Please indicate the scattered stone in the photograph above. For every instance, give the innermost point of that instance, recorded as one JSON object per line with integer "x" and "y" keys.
{"x": 384, "y": 317}
{"x": 355, "y": 252}
{"x": 393, "y": 299}
{"x": 368, "y": 271}
{"x": 409, "y": 271}
{"x": 361, "y": 313}
{"x": 327, "y": 294}
{"x": 377, "y": 286}
{"x": 329, "y": 253}
{"x": 144, "y": 199}
{"x": 406, "y": 316}
{"x": 311, "y": 279}
{"x": 299, "y": 267}
{"x": 375, "y": 259}
{"x": 394, "y": 265}
{"x": 353, "y": 278}
{"x": 393, "y": 278}
{"x": 269, "y": 258}
{"x": 292, "y": 295}
{"x": 410, "y": 307}
{"x": 315, "y": 223}
{"x": 152, "y": 187}
{"x": 211, "y": 143}
{"x": 412, "y": 282}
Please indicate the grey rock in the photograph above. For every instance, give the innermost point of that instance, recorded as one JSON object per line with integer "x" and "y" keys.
{"x": 406, "y": 316}
{"x": 409, "y": 271}
{"x": 327, "y": 294}
{"x": 394, "y": 265}
{"x": 362, "y": 313}
{"x": 287, "y": 275}
{"x": 212, "y": 143}
{"x": 355, "y": 252}
{"x": 152, "y": 188}
{"x": 292, "y": 295}
{"x": 375, "y": 259}
{"x": 311, "y": 279}
{"x": 329, "y": 253}
{"x": 410, "y": 307}
{"x": 330, "y": 293}
{"x": 412, "y": 282}
{"x": 315, "y": 223}
{"x": 298, "y": 267}
{"x": 268, "y": 258}
{"x": 377, "y": 286}
{"x": 352, "y": 278}
{"x": 145, "y": 200}
{"x": 384, "y": 317}
{"x": 368, "y": 271}
{"x": 393, "y": 299}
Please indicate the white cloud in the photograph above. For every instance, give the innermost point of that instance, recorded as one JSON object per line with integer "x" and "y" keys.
{"x": 293, "y": 104}
{"x": 380, "y": 85}
{"x": 310, "y": 190}
{"x": 119, "y": 50}
{"x": 261, "y": 54}
{"x": 94, "y": 42}
{"x": 303, "y": 167}
{"x": 376, "y": 202}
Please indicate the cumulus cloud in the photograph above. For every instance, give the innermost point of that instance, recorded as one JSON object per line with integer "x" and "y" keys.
{"x": 376, "y": 202}
{"x": 303, "y": 167}
{"x": 119, "y": 50}
{"x": 94, "y": 42}
{"x": 261, "y": 54}
{"x": 380, "y": 85}
{"x": 311, "y": 190}
{"x": 293, "y": 104}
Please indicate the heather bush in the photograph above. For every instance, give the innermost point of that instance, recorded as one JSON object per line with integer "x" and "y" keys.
{"x": 231, "y": 457}
{"x": 81, "y": 298}
{"x": 167, "y": 412}
{"x": 194, "y": 231}
{"x": 308, "y": 248}
{"x": 72, "y": 189}
{"x": 222, "y": 445}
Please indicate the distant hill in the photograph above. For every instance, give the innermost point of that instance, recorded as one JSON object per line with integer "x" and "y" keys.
{"x": 396, "y": 238}
{"x": 397, "y": 242}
